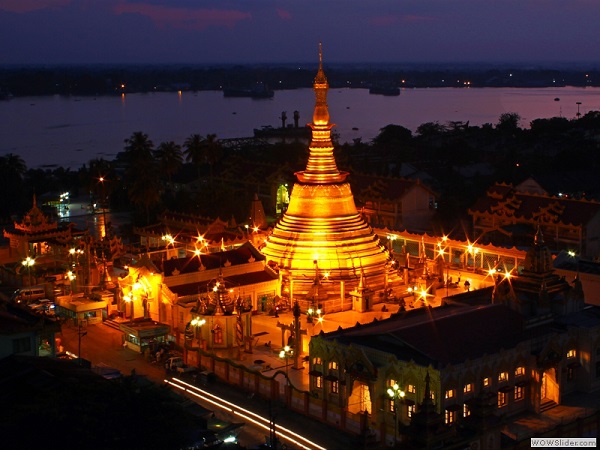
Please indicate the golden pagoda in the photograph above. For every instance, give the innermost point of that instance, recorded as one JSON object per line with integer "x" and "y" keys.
{"x": 324, "y": 249}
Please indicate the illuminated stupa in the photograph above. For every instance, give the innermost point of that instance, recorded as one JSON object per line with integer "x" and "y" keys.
{"x": 322, "y": 246}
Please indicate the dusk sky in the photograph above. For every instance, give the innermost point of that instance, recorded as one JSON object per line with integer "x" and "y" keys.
{"x": 269, "y": 31}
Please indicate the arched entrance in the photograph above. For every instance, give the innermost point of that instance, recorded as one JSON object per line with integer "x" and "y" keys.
{"x": 549, "y": 389}
{"x": 283, "y": 199}
{"x": 360, "y": 398}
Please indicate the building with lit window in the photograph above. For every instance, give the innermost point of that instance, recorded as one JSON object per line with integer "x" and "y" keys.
{"x": 468, "y": 370}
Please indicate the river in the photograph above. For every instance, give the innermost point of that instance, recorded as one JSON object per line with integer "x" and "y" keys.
{"x": 70, "y": 131}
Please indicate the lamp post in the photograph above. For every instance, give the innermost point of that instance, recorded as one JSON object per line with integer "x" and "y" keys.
{"x": 197, "y": 322}
{"x": 102, "y": 179}
{"x": 396, "y": 394}
{"x": 578, "y": 113}
{"x": 28, "y": 263}
{"x": 286, "y": 353}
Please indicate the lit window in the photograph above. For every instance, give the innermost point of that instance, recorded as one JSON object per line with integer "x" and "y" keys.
{"x": 466, "y": 410}
{"x": 432, "y": 395}
{"x": 503, "y": 376}
{"x": 468, "y": 388}
{"x": 319, "y": 382}
{"x": 316, "y": 361}
{"x": 411, "y": 389}
{"x": 411, "y": 410}
{"x": 519, "y": 394}
{"x": 450, "y": 417}
{"x": 502, "y": 399}
{"x": 486, "y": 381}
{"x": 519, "y": 371}
{"x": 392, "y": 405}
{"x": 391, "y": 383}
{"x": 333, "y": 365}
{"x": 450, "y": 393}
{"x": 335, "y": 387}
{"x": 571, "y": 353}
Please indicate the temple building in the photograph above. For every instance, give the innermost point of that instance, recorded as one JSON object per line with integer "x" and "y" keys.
{"x": 325, "y": 251}
{"x": 38, "y": 235}
{"x": 509, "y": 214}
{"x": 477, "y": 372}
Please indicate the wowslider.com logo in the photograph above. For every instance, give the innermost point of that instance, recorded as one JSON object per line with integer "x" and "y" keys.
{"x": 563, "y": 442}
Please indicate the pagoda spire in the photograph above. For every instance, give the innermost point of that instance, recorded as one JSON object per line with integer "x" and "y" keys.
{"x": 321, "y": 167}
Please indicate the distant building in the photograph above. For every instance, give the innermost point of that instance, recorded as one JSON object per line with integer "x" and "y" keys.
{"x": 508, "y": 214}
{"x": 23, "y": 332}
{"x": 395, "y": 203}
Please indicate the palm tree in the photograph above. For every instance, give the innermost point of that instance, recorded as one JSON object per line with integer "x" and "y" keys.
{"x": 170, "y": 158}
{"x": 143, "y": 191}
{"x": 138, "y": 147}
{"x": 212, "y": 151}
{"x": 194, "y": 151}
{"x": 15, "y": 163}
{"x": 12, "y": 185}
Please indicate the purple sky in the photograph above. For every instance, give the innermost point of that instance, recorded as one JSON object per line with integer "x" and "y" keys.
{"x": 257, "y": 31}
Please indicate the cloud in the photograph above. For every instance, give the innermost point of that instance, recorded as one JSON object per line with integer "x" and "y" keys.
{"x": 283, "y": 14}
{"x": 384, "y": 21}
{"x": 184, "y": 18}
{"x": 25, "y": 6}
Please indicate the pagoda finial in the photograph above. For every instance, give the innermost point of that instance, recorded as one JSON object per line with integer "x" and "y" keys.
{"x": 320, "y": 54}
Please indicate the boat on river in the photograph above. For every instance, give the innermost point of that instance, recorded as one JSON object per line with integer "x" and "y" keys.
{"x": 259, "y": 90}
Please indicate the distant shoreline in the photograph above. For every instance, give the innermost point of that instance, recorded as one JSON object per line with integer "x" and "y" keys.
{"x": 96, "y": 80}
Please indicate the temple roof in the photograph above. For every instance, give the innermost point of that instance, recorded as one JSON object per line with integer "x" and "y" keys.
{"x": 505, "y": 199}
{"x": 241, "y": 255}
{"x": 440, "y": 336}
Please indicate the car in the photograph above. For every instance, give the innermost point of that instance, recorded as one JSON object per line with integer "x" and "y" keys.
{"x": 174, "y": 362}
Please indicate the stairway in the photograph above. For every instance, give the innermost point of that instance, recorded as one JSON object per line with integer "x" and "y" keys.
{"x": 546, "y": 405}
{"x": 112, "y": 324}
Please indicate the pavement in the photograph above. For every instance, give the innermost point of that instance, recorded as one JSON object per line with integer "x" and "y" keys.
{"x": 102, "y": 345}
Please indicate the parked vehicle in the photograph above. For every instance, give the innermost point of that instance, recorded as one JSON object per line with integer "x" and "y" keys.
{"x": 29, "y": 294}
{"x": 174, "y": 362}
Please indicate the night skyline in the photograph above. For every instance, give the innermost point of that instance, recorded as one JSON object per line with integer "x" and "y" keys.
{"x": 352, "y": 31}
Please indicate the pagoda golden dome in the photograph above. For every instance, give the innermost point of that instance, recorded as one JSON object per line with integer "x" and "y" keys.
{"x": 322, "y": 230}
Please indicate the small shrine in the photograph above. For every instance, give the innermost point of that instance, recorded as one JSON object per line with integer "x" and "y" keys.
{"x": 220, "y": 320}
{"x": 37, "y": 234}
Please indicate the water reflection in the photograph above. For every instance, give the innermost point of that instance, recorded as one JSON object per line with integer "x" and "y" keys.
{"x": 70, "y": 131}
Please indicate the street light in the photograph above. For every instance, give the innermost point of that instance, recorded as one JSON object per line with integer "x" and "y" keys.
{"x": 28, "y": 263}
{"x": 395, "y": 394}
{"x": 197, "y": 322}
{"x": 286, "y": 354}
{"x": 102, "y": 179}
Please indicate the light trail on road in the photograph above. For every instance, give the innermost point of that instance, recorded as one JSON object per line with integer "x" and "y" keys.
{"x": 247, "y": 415}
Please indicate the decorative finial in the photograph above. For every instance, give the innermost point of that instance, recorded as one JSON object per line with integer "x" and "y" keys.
{"x": 320, "y": 54}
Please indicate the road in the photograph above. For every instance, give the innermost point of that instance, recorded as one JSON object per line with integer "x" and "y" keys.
{"x": 102, "y": 344}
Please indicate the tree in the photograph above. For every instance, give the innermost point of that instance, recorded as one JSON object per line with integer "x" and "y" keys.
{"x": 169, "y": 157}
{"x": 508, "y": 123}
{"x": 212, "y": 151}
{"x": 430, "y": 129}
{"x": 194, "y": 151}
{"x": 393, "y": 134}
{"x": 138, "y": 147}
{"x": 141, "y": 172}
{"x": 12, "y": 174}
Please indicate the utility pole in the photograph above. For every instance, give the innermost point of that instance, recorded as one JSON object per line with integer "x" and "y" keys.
{"x": 80, "y": 333}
